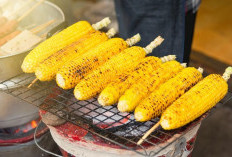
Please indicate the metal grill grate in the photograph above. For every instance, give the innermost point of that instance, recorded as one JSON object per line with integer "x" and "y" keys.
{"x": 119, "y": 129}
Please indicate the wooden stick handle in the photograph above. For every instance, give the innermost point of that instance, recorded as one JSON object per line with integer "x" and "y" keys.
{"x": 42, "y": 26}
{"x": 148, "y": 133}
{"x": 133, "y": 40}
{"x": 168, "y": 58}
{"x": 30, "y": 10}
{"x": 184, "y": 65}
{"x": 227, "y": 73}
{"x": 201, "y": 70}
{"x": 103, "y": 23}
{"x": 111, "y": 33}
{"x": 153, "y": 44}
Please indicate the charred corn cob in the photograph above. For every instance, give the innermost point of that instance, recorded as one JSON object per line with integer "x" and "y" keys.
{"x": 199, "y": 99}
{"x": 93, "y": 83}
{"x": 71, "y": 73}
{"x": 147, "y": 84}
{"x": 166, "y": 94}
{"x": 58, "y": 42}
{"x": 47, "y": 69}
{"x": 116, "y": 88}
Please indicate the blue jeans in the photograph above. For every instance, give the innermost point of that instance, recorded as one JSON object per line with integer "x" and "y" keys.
{"x": 151, "y": 18}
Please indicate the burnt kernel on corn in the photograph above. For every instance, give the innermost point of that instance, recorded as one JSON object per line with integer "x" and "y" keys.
{"x": 47, "y": 70}
{"x": 199, "y": 99}
{"x": 79, "y": 67}
{"x": 98, "y": 79}
{"x": 116, "y": 88}
{"x": 147, "y": 84}
{"x": 166, "y": 94}
{"x": 54, "y": 44}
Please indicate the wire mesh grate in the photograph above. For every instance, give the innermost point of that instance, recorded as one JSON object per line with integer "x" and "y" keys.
{"x": 108, "y": 123}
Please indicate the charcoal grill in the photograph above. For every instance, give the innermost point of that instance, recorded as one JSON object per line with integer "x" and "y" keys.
{"x": 110, "y": 126}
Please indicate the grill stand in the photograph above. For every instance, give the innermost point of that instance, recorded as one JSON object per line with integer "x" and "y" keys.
{"x": 89, "y": 147}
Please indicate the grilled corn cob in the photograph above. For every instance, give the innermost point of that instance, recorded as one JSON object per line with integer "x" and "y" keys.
{"x": 116, "y": 88}
{"x": 199, "y": 99}
{"x": 71, "y": 73}
{"x": 93, "y": 83}
{"x": 58, "y": 42}
{"x": 147, "y": 84}
{"x": 47, "y": 70}
{"x": 166, "y": 94}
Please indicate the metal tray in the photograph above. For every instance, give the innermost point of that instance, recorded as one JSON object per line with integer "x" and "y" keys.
{"x": 10, "y": 64}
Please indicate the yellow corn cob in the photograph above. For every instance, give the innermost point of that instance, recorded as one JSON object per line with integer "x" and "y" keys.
{"x": 147, "y": 84}
{"x": 58, "y": 42}
{"x": 193, "y": 103}
{"x": 199, "y": 99}
{"x": 166, "y": 94}
{"x": 71, "y": 73}
{"x": 116, "y": 88}
{"x": 47, "y": 70}
{"x": 93, "y": 83}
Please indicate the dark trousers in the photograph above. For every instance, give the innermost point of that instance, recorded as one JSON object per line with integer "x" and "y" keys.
{"x": 151, "y": 18}
{"x": 190, "y": 19}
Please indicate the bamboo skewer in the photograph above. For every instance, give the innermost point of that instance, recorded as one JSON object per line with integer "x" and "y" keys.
{"x": 42, "y": 26}
{"x": 4, "y": 19}
{"x": 11, "y": 25}
{"x": 31, "y": 26}
{"x": 148, "y": 133}
{"x": 30, "y": 10}
{"x": 43, "y": 35}
{"x": 21, "y": 7}
{"x": 33, "y": 82}
{"x": 225, "y": 76}
{"x": 38, "y": 30}
{"x": 158, "y": 123}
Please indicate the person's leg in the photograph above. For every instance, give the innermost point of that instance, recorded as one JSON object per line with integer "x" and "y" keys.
{"x": 189, "y": 30}
{"x": 151, "y": 18}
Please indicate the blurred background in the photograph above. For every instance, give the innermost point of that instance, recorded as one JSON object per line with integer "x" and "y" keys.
{"x": 211, "y": 49}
